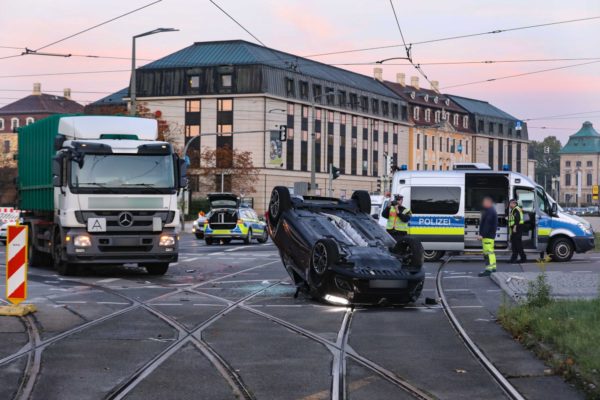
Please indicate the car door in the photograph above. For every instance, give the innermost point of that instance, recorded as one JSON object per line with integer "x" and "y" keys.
{"x": 526, "y": 199}
{"x": 544, "y": 219}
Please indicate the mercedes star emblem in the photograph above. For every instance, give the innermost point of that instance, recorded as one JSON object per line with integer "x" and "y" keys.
{"x": 125, "y": 219}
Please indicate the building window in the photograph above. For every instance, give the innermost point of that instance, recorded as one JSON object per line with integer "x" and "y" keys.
{"x": 588, "y": 179}
{"x": 14, "y": 123}
{"x": 289, "y": 144}
{"x": 1, "y": 124}
{"x": 342, "y": 98}
{"x": 578, "y": 164}
{"x": 192, "y": 124}
{"x": 226, "y": 80}
{"x": 589, "y": 163}
{"x": 304, "y": 90}
{"x": 501, "y": 129}
{"x": 416, "y": 113}
{"x": 330, "y": 95}
{"x": 567, "y": 179}
{"x": 441, "y": 143}
{"x": 427, "y": 115}
{"x": 385, "y": 108}
{"x": 518, "y": 157}
{"x": 438, "y": 116}
{"x": 29, "y": 121}
{"x": 7, "y": 146}
{"x": 290, "y": 87}
{"x": 491, "y": 127}
{"x": 395, "y": 114}
{"x": 455, "y": 120}
{"x": 480, "y": 126}
{"x": 404, "y": 114}
{"x": 304, "y": 140}
{"x": 567, "y": 163}
{"x": 589, "y": 198}
{"x": 375, "y": 106}
{"x": 194, "y": 82}
{"x": 418, "y": 141}
{"x": 425, "y": 141}
{"x": 317, "y": 93}
{"x": 225, "y": 131}
{"x": 466, "y": 121}
{"x": 364, "y": 103}
{"x": 353, "y": 101}
{"x": 491, "y": 153}
{"x": 467, "y": 147}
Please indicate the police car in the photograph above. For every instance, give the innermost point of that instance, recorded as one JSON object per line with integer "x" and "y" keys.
{"x": 446, "y": 206}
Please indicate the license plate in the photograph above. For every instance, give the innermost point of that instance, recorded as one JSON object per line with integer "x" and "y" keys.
{"x": 388, "y": 284}
{"x": 96, "y": 225}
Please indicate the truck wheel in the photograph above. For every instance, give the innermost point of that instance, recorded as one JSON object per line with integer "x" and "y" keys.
{"x": 60, "y": 265}
{"x": 280, "y": 202}
{"x": 363, "y": 201}
{"x": 410, "y": 252}
{"x": 561, "y": 249}
{"x": 433, "y": 255}
{"x": 248, "y": 238}
{"x": 264, "y": 237}
{"x": 156, "y": 269}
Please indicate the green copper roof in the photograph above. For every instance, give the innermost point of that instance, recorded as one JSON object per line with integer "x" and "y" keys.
{"x": 586, "y": 140}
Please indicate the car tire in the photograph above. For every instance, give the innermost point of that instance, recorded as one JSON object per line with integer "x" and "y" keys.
{"x": 208, "y": 241}
{"x": 561, "y": 249}
{"x": 280, "y": 202}
{"x": 362, "y": 200}
{"x": 410, "y": 252}
{"x": 226, "y": 240}
{"x": 264, "y": 237}
{"x": 323, "y": 255}
{"x": 34, "y": 256}
{"x": 199, "y": 236}
{"x": 156, "y": 269}
{"x": 248, "y": 238}
{"x": 61, "y": 266}
{"x": 433, "y": 255}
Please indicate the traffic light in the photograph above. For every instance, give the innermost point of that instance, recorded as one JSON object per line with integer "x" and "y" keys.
{"x": 378, "y": 185}
{"x": 335, "y": 172}
{"x": 389, "y": 164}
{"x": 283, "y": 133}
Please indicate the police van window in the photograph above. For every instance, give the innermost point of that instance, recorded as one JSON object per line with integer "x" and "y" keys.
{"x": 542, "y": 201}
{"x": 526, "y": 199}
{"x": 435, "y": 200}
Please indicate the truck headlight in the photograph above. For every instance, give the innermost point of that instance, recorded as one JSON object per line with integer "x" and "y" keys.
{"x": 586, "y": 229}
{"x": 82, "y": 241}
{"x": 166, "y": 241}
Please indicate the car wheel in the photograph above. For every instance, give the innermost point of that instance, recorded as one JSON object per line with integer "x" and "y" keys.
{"x": 61, "y": 266}
{"x": 433, "y": 255}
{"x": 156, "y": 269}
{"x": 208, "y": 241}
{"x": 362, "y": 200}
{"x": 280, "y": 202}
{"x": 561, "y": 249}
{"x": 264, "y": 237}
{"x": 226, "y": 240}
{"x": 324, "y": 254}
{"x": 248, "y": 238}
{"x": 410, "y": 252}
{"x": 199, "y": 236}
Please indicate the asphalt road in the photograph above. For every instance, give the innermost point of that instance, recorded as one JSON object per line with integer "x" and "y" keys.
{"x": 223, "y": 323}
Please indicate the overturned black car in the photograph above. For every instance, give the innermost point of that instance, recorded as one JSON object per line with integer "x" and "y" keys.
{"x": 337, "y": 251}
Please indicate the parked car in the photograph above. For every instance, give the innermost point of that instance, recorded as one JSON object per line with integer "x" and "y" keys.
{"x": 198, "y": 225}
{"x": 339, "y": 253}
{"x": 228, "y": 221}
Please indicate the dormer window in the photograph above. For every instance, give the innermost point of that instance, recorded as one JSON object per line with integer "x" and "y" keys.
{"x": 447, "y": 102}
{"x": 438, "y": 116}
{"x": 436, "y": 99}
{"x": 455, "y": 120}
{"x": 428, "y": 115}
{"x": 413, "y": 95}
{"x": 426, "y": 98}
{"x": 416, "y": 113}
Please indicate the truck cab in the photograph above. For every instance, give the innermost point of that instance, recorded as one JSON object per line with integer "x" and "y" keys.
{"x": 446, "y": 208}
{"x": 114, "y": 197}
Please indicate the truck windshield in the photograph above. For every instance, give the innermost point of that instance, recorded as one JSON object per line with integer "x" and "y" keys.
{"x": 127, "y": 171}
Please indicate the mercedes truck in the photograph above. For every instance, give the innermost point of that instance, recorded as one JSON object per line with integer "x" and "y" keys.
{"x": 99, "y": 190}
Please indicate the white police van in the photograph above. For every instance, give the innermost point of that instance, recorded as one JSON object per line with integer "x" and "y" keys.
{"x": 446, "y": 207}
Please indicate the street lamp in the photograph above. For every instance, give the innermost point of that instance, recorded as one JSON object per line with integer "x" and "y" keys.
{"x": 313, "y": 159}
{"x": 132, "y": 87}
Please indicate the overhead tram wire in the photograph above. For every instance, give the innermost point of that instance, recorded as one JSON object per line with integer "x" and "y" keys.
{"x": 452, "y": 37}
{"x": 520, "y": 75}
{"x": 531, "y": 60}
{"x": 562, "y": 115}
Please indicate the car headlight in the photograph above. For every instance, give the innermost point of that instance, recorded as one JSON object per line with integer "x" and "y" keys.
{"x": 82, "y": 241}
{"x": 166, "y": 241}
{"x": 586, "y": 229}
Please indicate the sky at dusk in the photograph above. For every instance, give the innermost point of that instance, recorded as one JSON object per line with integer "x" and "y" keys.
{"x": 306, "y": 27}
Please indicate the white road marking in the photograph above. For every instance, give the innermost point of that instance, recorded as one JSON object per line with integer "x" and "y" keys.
{"x": 209, "y": 305}
{"x": 466, "y": 306}
{"x": 72, "y": 302}
{"x": 109, "y": 280}
{"x": 113, "y": 302}
{"x": 167, "y": 304}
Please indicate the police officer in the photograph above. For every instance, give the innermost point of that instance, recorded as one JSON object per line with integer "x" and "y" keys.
{"x": 398, "y": 217}
{"x": 515, "y": 224}
{"x": 488, "y": 224}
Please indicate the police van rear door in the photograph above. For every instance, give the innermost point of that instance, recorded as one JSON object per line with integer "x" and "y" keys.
{"x": 436, "y": 203}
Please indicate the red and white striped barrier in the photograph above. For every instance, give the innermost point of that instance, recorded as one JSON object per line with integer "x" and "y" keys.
{"x": 16, "y": 264}
{"x": 9, "y": 214}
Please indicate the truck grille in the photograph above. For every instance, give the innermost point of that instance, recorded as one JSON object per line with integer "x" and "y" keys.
{"x": 142, "y": 220}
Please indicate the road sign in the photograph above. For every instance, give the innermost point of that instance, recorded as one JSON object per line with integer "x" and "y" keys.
{"x": 595, "y": 192}
{"x": 16, "y": 263}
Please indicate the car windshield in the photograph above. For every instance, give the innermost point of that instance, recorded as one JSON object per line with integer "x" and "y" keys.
{"x": 221, "y": 203}
{"x": 123, "y": 171}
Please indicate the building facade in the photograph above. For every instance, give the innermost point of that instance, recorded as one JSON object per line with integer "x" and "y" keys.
{"x": 238, "y": 94}
{"x": 580, "y": 166}
{"x": 440, "y": 134}
{"x": 499, "y": 139}
{"x": 26, "y": 111}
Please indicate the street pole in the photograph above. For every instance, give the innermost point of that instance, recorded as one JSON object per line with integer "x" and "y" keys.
{"x": 330, "y": 180}
{"x": 132, "y": 83}
{"x": 313, "y": 159}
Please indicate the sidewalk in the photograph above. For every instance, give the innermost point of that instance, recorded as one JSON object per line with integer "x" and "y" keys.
{"x": 565, "y": 285}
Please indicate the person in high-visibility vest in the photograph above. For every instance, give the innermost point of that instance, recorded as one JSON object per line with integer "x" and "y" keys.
{"x": 488, "y": 224}
{"x": 515, "y": 225}
{"x": 398, "y": 217}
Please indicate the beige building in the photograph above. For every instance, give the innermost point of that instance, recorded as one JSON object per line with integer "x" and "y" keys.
{"x": 580, "y": 167}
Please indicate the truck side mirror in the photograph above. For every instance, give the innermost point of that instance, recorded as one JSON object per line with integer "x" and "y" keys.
{"x": 57, "y": 170}
{"x": 182, "y": 177}
{"x": 554, "y": 209}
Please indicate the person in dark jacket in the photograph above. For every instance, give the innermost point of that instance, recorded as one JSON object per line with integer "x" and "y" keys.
{"x": 488, "y": 224}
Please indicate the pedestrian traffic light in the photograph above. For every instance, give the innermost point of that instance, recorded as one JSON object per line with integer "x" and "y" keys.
{"x": 335, "y": 172}
{"x": 283, "y": 133}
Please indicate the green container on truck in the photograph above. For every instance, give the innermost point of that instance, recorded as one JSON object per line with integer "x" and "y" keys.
{"x": 99, "y": 190}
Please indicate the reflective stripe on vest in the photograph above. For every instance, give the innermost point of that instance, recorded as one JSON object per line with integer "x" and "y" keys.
{"x": 401, "y": 225}
{"x": 511, "y": 216}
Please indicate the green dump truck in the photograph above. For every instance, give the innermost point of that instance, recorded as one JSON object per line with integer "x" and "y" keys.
{"x": 100, "y": 190}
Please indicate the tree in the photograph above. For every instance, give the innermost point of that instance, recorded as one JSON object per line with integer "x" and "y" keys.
{"x": 548, "y": 160}
{"x": 228, "y": 170}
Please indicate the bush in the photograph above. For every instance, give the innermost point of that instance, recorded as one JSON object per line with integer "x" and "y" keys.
{"x": 539, "y": 292}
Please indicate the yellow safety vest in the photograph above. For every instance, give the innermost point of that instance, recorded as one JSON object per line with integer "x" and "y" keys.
{"x": 511, "y": 216}
{"x": 394, "y": 222}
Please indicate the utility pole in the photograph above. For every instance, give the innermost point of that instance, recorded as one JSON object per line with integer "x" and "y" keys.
{"x": 313, "y": 159}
